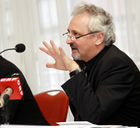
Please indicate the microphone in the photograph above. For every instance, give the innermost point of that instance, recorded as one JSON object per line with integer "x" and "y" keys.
{"x": 19, "y": 48}
{"x": 10, "y": 89}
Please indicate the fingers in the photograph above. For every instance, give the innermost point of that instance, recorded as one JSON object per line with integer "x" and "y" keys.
{"x": 51, "y": 49}
{"x": 55, "y": 49}
{"x": 46, "y": 47}
{"x": 62, "y": 53}
{"x": 50, "y": 65}
{"x": 56, "y": 53}
{"x": 43, "y": 49}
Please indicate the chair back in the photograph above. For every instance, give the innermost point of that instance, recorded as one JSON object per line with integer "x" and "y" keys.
{"x": 53, "y": 105}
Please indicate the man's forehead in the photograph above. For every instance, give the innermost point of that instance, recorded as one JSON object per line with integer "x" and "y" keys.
{"x": 79, "y": 22}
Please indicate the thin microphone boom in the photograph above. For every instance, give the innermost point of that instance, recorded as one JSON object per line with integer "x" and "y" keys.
{"x": 7, "y": 50}
{"x": 19, "y": 48}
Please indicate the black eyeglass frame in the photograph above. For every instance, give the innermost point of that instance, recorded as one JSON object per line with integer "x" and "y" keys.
{"x": 81, "y": 35}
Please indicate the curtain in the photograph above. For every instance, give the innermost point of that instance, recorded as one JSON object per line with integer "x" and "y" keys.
{"x": 32, "y": 21}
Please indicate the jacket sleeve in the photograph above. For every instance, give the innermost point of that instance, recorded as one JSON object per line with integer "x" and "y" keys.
{"x": 97, "y": 105}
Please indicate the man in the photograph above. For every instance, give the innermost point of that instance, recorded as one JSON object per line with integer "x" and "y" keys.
{"x": 24, "y": 111}
{"x": 104, "y": 87}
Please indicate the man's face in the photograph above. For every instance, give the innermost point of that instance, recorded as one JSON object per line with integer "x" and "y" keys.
{"x": 83, "y": 48}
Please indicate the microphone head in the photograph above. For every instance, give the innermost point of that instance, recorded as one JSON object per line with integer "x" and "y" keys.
{"x": 20, "y": 48}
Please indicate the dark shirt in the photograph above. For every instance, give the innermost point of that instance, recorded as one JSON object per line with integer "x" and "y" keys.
{"x": 24, "y": 111}
{"x": 107, "y": 91}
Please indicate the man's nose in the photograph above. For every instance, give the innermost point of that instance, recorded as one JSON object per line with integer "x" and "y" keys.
{"x": 69, "y": 40}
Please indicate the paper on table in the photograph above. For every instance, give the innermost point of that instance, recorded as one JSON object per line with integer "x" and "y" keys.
{"x": 75, "y": 123}
{"x": 28, "y": 126}
{"x": 86, "y": 124}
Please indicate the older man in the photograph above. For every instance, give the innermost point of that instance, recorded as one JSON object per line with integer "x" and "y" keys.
{"x": 104, "y": 87}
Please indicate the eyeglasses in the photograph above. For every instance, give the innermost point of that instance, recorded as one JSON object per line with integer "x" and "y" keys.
{"x": 73, "y": 38}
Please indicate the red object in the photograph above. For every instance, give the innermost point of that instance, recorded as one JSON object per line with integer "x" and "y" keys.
{"x": 53, "y": 107}
{"x": 14, "y": 83}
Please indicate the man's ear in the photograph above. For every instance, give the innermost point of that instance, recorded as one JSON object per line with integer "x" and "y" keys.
{"x": 100, "y": 38}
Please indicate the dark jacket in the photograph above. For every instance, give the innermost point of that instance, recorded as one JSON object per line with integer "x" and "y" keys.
{"x": 24, "y": 111}
{"x": 107, "y": 91}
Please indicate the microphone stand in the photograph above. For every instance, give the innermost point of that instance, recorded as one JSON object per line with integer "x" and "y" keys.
{"x": 4, "y": 115}
{"x": 4, "y": 111}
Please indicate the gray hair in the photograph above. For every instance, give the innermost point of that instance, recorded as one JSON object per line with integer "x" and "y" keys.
{"x": 100, "y": 21}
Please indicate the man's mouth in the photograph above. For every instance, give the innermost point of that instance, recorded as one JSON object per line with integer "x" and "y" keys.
{"x": 73, "y": 48}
